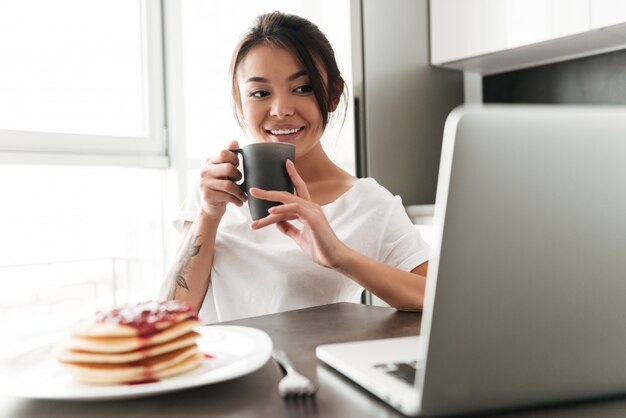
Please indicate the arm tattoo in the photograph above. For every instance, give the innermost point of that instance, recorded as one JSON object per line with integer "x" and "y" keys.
{"x": 191, "y": 251}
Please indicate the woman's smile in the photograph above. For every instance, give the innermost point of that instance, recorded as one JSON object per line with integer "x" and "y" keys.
{"x": 285, "y": 134}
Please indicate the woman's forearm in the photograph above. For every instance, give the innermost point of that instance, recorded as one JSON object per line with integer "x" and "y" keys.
{"x": 190, "y": 275}
{"x": 401, "y": 289}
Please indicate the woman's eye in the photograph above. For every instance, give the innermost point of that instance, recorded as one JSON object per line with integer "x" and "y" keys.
{"x": 259, "y": 93}
{"x": 306, "y": 88}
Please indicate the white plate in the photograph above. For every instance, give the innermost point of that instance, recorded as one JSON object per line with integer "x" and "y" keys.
{"x": 33, "y": 372}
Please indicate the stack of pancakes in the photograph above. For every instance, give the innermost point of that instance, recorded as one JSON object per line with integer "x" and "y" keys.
{"x": 133, "y": 344}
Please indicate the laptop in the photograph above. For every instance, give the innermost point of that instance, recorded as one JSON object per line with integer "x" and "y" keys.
{"x": 525, "y": 299}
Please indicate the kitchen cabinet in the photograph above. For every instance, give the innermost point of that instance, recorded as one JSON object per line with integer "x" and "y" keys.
{"x": 493, "y": 36}
{"x": 466, "y": 28}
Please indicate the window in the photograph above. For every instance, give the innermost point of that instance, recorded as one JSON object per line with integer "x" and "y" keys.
{"x": 81, "y": 100}
{"x": 75, "y": 239}
{"x": 81, "y": 77}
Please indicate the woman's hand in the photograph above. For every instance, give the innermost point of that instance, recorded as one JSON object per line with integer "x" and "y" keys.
{"x": 217, "y": 183}
{"x": 316, "y": 238}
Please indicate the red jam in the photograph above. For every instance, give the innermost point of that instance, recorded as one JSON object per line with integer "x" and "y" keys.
{"x": 145, "y": 316}
{"x": 205, "y": 355}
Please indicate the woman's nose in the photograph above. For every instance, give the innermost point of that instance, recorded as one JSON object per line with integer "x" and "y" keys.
{"x": 282, "y": 106}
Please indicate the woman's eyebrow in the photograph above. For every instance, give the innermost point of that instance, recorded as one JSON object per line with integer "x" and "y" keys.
{"x": 297, "y": 75}
{"x": 292, "y": 77}
{"x": 257, "y": 80}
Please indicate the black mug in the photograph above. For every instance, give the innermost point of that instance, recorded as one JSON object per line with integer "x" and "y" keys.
{"x": 264, "y": 167}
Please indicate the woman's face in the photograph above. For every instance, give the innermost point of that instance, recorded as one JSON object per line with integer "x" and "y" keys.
{"x": 277, "y": 99}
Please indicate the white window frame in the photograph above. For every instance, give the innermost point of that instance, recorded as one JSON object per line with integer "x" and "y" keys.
{"x": 175, "y": 92}
{"x": 150, "y": 150}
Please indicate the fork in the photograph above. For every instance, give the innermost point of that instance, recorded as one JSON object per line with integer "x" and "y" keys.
{"x": 293, "y": 383}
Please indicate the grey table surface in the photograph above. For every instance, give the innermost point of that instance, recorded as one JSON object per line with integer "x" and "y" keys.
{"x": 256, "y": 395}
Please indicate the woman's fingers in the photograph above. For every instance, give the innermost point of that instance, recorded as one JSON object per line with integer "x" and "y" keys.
{"x": 222, "y": 171}
{"x": 273, "y": 195}
{"x": 281, "y": 214}
{"x": 224, "y": 156}
{"x": 234, "y": 189}
{"x": 213, "y": 188}
{"x": 286, "y": 208}
{"x": 298, "y": 184}
{"x": 230, "y": 188}
{"x": 217, "y": 181}
{"x": 288, "y": 229}
{"x": 218, "y": 197}
{"x": 272, "y": 219}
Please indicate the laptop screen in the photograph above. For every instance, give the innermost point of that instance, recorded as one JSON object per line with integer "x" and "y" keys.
{"x": 525, "y": 298}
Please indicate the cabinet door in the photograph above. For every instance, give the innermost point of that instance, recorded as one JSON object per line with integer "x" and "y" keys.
{"x": 462, "y": 29}
{"x": 607, "y": 12}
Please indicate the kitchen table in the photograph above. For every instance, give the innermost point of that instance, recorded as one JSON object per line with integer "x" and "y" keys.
{"x": 297, "y": 332}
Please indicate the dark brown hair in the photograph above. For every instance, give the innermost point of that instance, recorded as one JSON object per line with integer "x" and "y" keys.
{"x": 309, "y": 46}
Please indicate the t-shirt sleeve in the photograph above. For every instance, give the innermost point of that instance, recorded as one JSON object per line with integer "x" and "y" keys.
{"x": 189, "y": 209}
{"x": 402, "y": 245}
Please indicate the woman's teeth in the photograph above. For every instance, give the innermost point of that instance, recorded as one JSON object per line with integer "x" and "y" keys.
{"x": 284, "y": 131}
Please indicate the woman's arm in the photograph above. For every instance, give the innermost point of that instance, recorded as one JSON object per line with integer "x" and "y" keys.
{"x": 190, "y": 275}
{"x": 400, "y": 289}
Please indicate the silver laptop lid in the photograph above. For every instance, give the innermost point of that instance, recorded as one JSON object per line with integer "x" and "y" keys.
{"x": 531, "y": 275}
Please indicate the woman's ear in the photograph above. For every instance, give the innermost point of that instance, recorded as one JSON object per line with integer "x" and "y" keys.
{"x": 337, "y": 90}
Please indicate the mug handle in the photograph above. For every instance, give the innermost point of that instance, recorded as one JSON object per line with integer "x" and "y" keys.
{"x": 241, "y": 185}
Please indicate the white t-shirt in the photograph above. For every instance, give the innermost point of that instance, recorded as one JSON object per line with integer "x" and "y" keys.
{"x": 258, "y": 272}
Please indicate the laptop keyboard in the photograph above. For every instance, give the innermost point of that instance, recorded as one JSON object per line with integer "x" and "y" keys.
{"x": 402, "y": 371}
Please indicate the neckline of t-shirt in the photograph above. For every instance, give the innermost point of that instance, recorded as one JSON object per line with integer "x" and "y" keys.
{"x": 349, "y": 191}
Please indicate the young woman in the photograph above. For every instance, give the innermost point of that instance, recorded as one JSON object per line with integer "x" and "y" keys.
{"x": 335, "y": 236}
